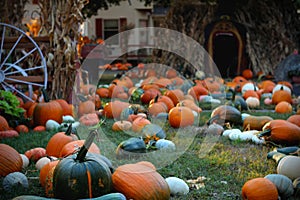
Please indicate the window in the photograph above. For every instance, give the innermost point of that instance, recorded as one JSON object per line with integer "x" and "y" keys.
{"x": 110, "y": 28}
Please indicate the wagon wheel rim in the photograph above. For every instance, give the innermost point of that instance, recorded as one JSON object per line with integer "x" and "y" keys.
{"x": 12, "y": 68}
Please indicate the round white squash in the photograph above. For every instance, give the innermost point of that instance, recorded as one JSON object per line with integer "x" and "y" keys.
{"x": 165, "y": 144}
{"x": 252, "y": 102}
{"x": 43, "y": 161}
{"x": 289, "y": 166}
{"x": 25, "y": 161}
{"x": 177, "y": 186}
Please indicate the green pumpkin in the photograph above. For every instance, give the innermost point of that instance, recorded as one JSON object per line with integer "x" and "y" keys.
{"x": 82, "y": 175}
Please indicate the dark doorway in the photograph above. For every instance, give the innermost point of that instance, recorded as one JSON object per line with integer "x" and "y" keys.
{"x": 225, "y": 53}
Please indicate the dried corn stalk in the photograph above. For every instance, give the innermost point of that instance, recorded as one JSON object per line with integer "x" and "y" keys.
{"x": 60, "y": 20}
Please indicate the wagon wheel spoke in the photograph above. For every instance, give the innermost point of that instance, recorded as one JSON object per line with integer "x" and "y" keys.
{"x": 22, "y": 64}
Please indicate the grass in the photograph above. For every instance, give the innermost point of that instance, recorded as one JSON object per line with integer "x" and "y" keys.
{"x": 223, "y": 170}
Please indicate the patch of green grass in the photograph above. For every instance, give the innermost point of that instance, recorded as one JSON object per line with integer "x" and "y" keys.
{"x": 226, "y": 167}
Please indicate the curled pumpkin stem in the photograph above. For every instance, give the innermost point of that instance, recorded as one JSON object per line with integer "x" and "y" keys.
{"x": 264, "y": 133}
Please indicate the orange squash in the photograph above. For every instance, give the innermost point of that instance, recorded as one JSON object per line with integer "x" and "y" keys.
{"x": 282, "y": 132}
{"x": 140, "y": 181}
{"x": 283, "y": 107}
{"x": 3, "y": 124}
{"x": 256, "y": 122}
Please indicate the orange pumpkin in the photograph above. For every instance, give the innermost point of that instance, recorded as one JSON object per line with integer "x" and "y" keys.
{"x": 259, "y": 188}
{"x": 156, "y": 108}
{"x": 281, "y": 95}
{"x": 247, "y": 74}
{"x": 22, "y": 128}
{"x": 102, "y": 92}
{"x": 162, "y": 98}
{"x": 121, "y": 126}
{"x": 35, "y": 154}
{"x": 10, "y": 160}
{"x": 295, "y": 119}
{"x": 45, "y": 170}
{"x": 283, "y": 107}
{"x": 197, "y": 90}
{"x": 39, "y": 128}
{"x": 175, "y": 95}
{"x": 73, "y": 147}
{"x": 58, "y": 141}
{"x": 8, "y": 134}
{"x": 86, "y": 107}
{"x": 113, "y": 109}
{"x": 67, "y": 108}
{"x": 149, "y": 94}
{"x": 171, "y": 73}
{"x": 139, "y": 123}
{"x": 282, "y": 132}
{"x": 190, "y": 104}
{"x": 45, "y": 111}
{"x": 140, "y": 181}
{"x": 3, "y": 124}
{"x": 89, "y": 119}
{"x": 181, "y": 117}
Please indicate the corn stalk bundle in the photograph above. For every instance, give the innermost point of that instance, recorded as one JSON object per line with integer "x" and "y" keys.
{"x": 60, "y": 20}
{"x": 273, "y": 31}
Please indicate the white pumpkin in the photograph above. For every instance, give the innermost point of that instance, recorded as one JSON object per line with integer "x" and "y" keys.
{"x": 247, "y": 135}
{"x": 25, "y": 161}
{"x": 289, "y": 166}
{"x": 257, "y": 140}
{"x": 177, "y": 186}
{"x": 52, "y": 125}
{"x": 252, "y": 102}
{"x": 15, "y": 180}
{"x": 284, "y": 184}
{"x": 165, "y": 144}
{"x": 249, "y": 86}
{"x": 68, "y": 119}
{"x": 279, "y": 86}
{"x": 227, "y": 132}
{"x": 43, "y": 161}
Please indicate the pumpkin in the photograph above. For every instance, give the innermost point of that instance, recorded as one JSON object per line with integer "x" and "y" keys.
{"x": 52, "y": 125}
{"x": 249, "y": 86}
{"x": 82, "y": 175}
{"x": 22, "y": 128}
{"x": 3, "y": 124}
{"x": 49, "y": 182}
{"x": 149, "y": 94}
{"x": 181, "y": 117}
{"x": 89, "y": 119}
{"x": 166, "y": 100}
{"x": 259, "y": 188}
{"x": 281, "y": 132}
{"x": 67, "y": 108}
{"x": 121, "y": 125}
{"x": 35, "y": 154}
{"x": 15, "y": 180}
{"x": 289, "y": 166}
{"x": 163, "y": 82}
{"x": 102, "y": 92}
{"x": 256, "y": 122}
{"x": 45, "y": 170}
{"x": 156, "y": 108}
{"x": 39, "y": 128}
{"x": 283, "y": 183}
{"x": 252, "y": 102}
{"x": 44, "y": 111}
{"x": 295, "y": 119}
{"x": 139, "y": 123}
{"x": 25, "y": 161}
{"x": 10, "y": 160}
{"x": 114, "y": 109}
{"x": 8, "y": 134}
{"x": 74, "y": 146}
{"x": 175, "y": 95}
{"x": 86, "y": 107}
{"x": 283, "y": 107}
{"x": 191, "y": 104}
{"x": 281, "y": 95}
{"x": 247, "y": 74}
{"x": 165, "y": 145}
{"x": 58, "y": 140}
{"x": 43, "y": 161}
{"x": 139, "y": 181}
{"x": 225, "y": 113}
{"x": 197, "y": 91}
{"x": 171, "y": 73}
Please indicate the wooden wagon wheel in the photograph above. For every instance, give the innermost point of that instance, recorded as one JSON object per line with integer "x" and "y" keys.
{"x": 22, "y": 64}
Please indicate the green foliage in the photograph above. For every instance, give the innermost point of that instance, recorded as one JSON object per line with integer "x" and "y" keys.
{"x": 9, "y": 105}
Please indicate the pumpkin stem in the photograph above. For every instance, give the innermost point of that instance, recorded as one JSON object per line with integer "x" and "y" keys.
{"x": 84, "y": 149}
{"x": 69, "y": 130}
{"x": 45, "y": 95}
{"x": 212, "y": 119}
{"x": 82, "y": 98}
{"x": 264, "y": 133}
